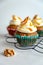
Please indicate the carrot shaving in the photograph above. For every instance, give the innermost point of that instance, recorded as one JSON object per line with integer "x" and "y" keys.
{"x": 30, "y": 29}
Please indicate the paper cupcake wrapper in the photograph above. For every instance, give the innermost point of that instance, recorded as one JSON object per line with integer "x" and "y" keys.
{"x": 40, "y": 33}
{"x": 11, "y": 31}
{"x": 26, "y": 40}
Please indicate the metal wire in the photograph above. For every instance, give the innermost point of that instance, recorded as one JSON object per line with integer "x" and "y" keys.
{"x": 29, "y": 47}
{"x": 39, "y": 46}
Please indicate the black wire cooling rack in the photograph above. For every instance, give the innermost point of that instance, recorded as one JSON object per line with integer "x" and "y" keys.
{"x": 38, "y": 46}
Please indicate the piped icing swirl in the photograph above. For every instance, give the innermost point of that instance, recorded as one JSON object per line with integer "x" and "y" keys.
{"x": 15, "y": 20}
{"x": 27, "y": 26}
{"x": 37, "y": 21}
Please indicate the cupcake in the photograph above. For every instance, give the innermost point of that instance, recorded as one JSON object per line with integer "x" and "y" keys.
{"x": 38, "y": 22}
{"x": 26, "y": 33}
{"x": 14, "y": 23}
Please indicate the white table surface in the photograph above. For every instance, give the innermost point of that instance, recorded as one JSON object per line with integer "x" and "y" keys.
{"x": 21, "y": 8}
{"x": 22, "y": 57}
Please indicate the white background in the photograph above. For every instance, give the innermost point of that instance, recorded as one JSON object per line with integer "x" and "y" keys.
{"x": 20, "y": 8}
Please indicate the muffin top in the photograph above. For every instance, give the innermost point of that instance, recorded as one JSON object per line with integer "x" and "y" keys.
{"x": 15, "y": 20}
{"x": 27, "y": 26}
{"x": 37, "y": 21}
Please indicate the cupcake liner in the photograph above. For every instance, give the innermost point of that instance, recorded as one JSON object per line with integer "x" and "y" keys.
{"x": 26, "y": 40}
{"x": 40, "y": 33}
{"x": 11, "y": 31}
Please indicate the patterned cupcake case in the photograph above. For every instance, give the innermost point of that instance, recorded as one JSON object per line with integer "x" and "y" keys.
{"x": 26, "y": 40}
{"x": 40, "y": 33}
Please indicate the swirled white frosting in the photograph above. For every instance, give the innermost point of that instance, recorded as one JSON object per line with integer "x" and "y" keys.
{"x": 15, "y": 20}
{"x": 37, "y": 21}
{"x": 27, "y": 26}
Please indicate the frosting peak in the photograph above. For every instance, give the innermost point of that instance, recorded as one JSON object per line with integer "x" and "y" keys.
{"x": 26, "y": 20}
{"x": 37, "y": 21}
{"x": 15, "y": 20}
{"x": 27, "y": 26}
{"x": 16, "y": 17}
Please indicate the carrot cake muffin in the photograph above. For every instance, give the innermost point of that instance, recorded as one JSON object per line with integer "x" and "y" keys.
{"x": 38, "y": 22}
{"x": 14, "y": 23}
{"x": 26, "y": 33}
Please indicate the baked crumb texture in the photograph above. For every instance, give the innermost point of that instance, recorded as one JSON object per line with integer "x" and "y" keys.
{"x": 26, "y": 34}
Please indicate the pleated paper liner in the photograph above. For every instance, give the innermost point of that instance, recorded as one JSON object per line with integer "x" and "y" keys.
{"x": 26, "y": 40}
{"x": 40, "y": 32}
